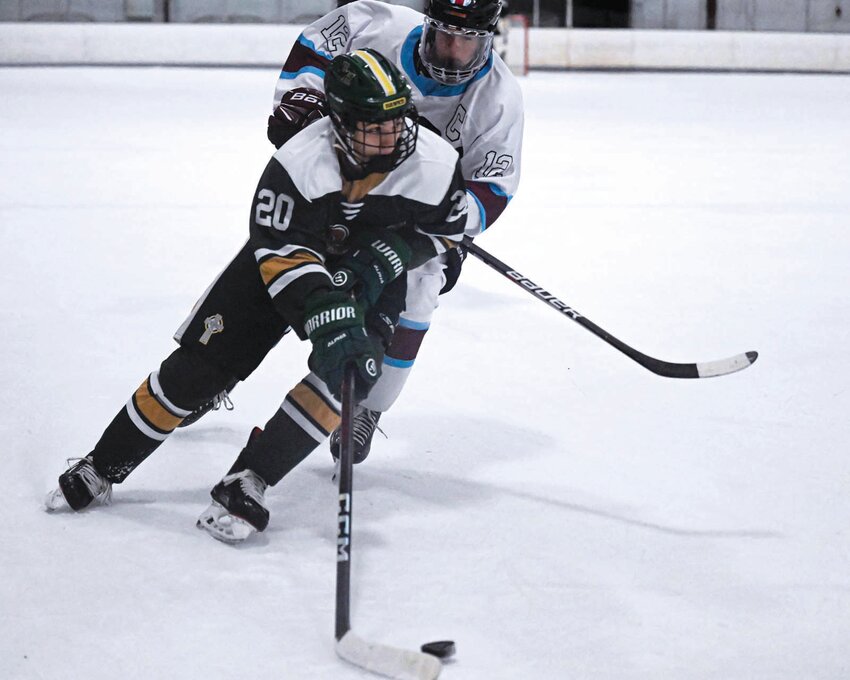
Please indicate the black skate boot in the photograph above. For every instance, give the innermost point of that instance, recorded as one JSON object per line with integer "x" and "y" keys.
{"x": 365, "y": 424}
{"x": 238, "y": 507}
{"x": 79, "y": 486}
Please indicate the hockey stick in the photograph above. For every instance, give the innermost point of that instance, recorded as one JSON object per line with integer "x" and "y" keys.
{"x": 391, "y": 662}
{"x": 706, "y": 369}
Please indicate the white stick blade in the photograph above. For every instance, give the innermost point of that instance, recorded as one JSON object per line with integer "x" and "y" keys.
{"x": 390, "y": 662}
{"x": 712, "y": 369}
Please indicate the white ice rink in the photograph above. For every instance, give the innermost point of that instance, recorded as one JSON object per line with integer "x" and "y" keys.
{"x": 554, "y": 508}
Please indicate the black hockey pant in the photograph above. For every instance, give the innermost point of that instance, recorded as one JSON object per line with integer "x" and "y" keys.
{"x": 226, "y": 337}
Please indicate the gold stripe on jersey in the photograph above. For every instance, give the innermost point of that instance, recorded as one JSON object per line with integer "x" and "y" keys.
{"x": 379, "y": 72}
{"x": 354, "y": 191}
{"x": 273, "y": 267}
{"x": 314, "y": 406}
{"x": 149, "y": 407}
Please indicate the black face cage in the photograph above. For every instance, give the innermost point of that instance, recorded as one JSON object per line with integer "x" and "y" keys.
{"x": 357, "y": 165}
{"x": 443, "y": 68}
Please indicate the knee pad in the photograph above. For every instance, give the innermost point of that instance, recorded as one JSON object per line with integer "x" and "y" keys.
{"x": 423, "y": 289}
{"x": 188, "y": 380}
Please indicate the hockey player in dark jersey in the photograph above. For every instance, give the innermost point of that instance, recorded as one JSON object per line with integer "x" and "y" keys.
{"x": 340, "y": 213}
{"x": 464, "y": 92}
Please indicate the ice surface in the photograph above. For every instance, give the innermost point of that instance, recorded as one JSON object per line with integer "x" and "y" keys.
{"x": 548, "y": 504}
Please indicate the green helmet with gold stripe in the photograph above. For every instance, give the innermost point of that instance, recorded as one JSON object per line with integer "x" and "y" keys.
{"x": 365, "y": 91}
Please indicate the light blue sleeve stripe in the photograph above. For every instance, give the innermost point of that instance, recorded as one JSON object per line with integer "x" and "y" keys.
{"x": 481, "y": 213}
{"x": 309, "y": 44}
{"x": 496, "y": 190}
{"x": 398, "y": 363}
{"x": 287, "y": 75}
{"x": 414, "y": 325}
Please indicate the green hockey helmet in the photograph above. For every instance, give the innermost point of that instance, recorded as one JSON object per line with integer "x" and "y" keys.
{"x": 372, "y": 112}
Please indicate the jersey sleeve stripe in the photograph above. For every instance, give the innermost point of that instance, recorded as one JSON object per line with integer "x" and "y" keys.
{"x": 490, "y": 200}
{"x": 414, "y": 325}
{"x": 398, "y": 363}
{"x": 440, "y": 242}
{"x": 274, "y": 265}
{"x": 496, "y": 189}
{"x": 302, "y": 61}
{"x": 308, "y": 50}
{"x": 482, "y": 215}
{"x": 286, "y": 251}
{"x": 288, "y": 75}
{"x": 287, "y": 278}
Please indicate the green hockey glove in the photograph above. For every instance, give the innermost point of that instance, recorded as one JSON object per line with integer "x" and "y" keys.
{"x": 334, "y": 324}
{"x": 376, "y": 260}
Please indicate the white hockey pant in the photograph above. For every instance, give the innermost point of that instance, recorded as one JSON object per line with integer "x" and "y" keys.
{"x": 423, "y": 289}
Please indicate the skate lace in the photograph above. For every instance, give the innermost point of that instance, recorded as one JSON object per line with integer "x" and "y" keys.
{"x": 251, "y": 484}
{"x": 222, "y": 399}
{"x": 365, "y": 424}
{"x": 99, "y": 488}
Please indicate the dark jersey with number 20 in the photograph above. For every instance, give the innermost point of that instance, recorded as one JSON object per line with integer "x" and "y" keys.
{"x": 304, "y": 212}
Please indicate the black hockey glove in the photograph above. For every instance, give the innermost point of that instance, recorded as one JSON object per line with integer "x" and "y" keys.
{"x": 334, "y": 324}
{"x": 381, "y": 329}
{"x": 376, "y": 260}
{"x": 297, "y": 109}
{"x": 454, "y": 261}
{"x": 382, "y": 319}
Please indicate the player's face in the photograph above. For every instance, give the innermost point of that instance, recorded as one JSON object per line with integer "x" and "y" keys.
{"x": 453, "y": 54}
{"x": 456, "y": 50}
{"x": 375, "y": 139}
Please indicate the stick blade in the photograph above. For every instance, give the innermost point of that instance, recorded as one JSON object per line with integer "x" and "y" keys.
{"x": 391, "y": 662}
{"x": 712, "y": 369}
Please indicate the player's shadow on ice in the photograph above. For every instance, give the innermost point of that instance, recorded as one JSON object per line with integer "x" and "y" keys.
{"x": 498, "y": 442}
{"x": 447, "y": 491}
{"x": 399, "y": 477}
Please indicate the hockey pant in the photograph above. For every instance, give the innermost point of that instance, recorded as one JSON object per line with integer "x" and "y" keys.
{"x": 423, "y": 289}
{"x": 227, "y": 335}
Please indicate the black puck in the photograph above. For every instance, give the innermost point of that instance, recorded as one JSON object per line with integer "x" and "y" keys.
{"x": 442, "y": 649}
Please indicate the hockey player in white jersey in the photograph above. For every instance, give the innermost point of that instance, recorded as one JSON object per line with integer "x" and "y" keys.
{"x": 463, "y": 91}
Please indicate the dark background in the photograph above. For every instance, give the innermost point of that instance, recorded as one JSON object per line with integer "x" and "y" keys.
{"x": 586, "y": 13}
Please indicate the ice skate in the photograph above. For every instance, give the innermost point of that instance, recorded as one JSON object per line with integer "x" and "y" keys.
{"x": 223, "y": 526}
{"x": 238, "y": 508}
{"x": 79, "y": 486}
{"x": 365, "y": 424}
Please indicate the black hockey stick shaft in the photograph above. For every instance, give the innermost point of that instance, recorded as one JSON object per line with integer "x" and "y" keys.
{"x": 346, "y": 470}
{"x": 663, "y": 368}
{"x": 391, "y": 662}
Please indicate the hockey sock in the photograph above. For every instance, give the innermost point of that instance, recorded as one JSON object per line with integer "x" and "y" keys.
{"x": 155, "y": 409}
{"x": 398, "y": 362}
{"x": 305, "y": 419}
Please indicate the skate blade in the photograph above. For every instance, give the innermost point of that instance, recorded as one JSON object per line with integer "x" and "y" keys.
{"x": 224, "y": 527}
{"x": 55, "y": 501}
